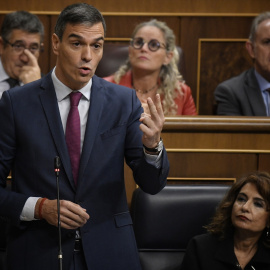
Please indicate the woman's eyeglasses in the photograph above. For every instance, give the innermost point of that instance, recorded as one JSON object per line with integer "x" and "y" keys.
{"x": 153, "y": 44}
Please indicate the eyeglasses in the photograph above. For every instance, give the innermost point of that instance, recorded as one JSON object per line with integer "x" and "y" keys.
{"x": 19, "y": 47}
{"x": 153, "y": 44}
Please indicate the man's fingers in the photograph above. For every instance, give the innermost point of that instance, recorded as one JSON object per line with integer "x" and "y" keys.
{"x": 155, "y": 109}
{"x": 159, "y": 105}
{"x": 32, "y": 59}
{"x": 73, "y": 211}
{"x": 71, "y": 215}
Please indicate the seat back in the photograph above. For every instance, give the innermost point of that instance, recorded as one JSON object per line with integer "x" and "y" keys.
{"x": 115, "y": 54}
{"x": 164, "y": 223}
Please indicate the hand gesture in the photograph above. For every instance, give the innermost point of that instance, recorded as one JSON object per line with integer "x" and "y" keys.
{"x": 152, "y": 123}
{"x": 31, "y": 71}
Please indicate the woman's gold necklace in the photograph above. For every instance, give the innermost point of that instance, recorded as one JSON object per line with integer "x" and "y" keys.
{"x": 145, "y": 91}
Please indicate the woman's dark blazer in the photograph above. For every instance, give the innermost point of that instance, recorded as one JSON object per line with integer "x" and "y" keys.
{"x": 206, "y": 252}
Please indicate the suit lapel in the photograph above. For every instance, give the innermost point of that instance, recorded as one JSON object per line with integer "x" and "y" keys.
{"x": 49, "y": 102}
{"x": 254, "y": 95}
{"x": 94, "y": 115}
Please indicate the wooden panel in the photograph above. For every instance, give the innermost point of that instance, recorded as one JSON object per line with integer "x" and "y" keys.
{"x": 128, "y": 23}
{"x": 211, "y": 165}
{"x": 264, "y": 162}
{"x": 195, "y": 28}
{"x": 229, "y": 58}
{"x": 219, "y": 133}
{"x": 183, "y": 6}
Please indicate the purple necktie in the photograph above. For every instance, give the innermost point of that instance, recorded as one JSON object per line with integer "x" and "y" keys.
{"x": 73, "y": 134}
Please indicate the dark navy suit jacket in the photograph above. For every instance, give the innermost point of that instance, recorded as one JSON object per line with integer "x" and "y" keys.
{"x": 32, "y": 135}
{"x": 240, "y": 95}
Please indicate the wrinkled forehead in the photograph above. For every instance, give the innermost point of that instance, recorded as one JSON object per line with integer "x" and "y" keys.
{"x": 18, "y": 35}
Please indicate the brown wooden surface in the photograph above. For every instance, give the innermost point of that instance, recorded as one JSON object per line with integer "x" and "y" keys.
{"x": 229, "y": 53}
{"x": 179, "y": 6}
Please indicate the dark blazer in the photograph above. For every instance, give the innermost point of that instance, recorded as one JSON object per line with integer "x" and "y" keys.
{"x": 206, "y": 252}
{"x": 240, "y": 95}
{"x": 30, "y": 138}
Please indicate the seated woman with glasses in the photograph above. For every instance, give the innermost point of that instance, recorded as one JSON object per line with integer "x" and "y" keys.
{"x": 152, "y": 69}
{"x": 238, "y": 236}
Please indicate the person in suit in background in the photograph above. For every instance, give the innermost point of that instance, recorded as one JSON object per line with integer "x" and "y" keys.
{"x": 21, "y": 40}
{"x": 238, "y": 236}
{"x": 93, "y": 126}
{"x": 247, "y": 94}
{"x": 151, "y": 68}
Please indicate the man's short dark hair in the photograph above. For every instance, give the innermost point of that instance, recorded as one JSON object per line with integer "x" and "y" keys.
{"x": 21, "y": 20}
{"x": 80, "y": 13}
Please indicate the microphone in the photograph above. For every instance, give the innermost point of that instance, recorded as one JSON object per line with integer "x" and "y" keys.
{"x": 57, "y": 165}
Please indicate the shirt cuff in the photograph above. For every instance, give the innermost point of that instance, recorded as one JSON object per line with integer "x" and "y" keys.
{"x": 154, "y": 160}
{"x": 28, "y": 212}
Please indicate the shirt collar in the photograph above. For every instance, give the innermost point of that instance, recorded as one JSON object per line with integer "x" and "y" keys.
{"x": 62, "y": 91}
{"x": 263, "y": 83}
{"x": 3, "y": 74}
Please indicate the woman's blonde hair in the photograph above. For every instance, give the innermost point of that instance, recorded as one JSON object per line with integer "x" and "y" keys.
{"x": 169, "y": 74}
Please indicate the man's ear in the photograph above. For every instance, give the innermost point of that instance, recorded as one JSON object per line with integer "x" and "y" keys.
{"x": 55, "y": 44}
{"x": 250, "y": 49}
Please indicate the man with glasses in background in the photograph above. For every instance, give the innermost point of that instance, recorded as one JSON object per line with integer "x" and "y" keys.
{"x": 21, "y": 40}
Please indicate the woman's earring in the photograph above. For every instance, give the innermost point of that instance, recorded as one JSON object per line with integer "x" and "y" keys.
{"x": 268, "y": 234}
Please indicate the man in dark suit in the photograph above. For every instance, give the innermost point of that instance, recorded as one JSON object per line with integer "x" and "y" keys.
{"x": 248, "y": 93}
{"x": 21, "y": 40}
{"x": 96, "y": 225}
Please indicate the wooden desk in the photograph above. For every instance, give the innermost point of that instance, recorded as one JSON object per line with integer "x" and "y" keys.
{"x": 208, "y": 149}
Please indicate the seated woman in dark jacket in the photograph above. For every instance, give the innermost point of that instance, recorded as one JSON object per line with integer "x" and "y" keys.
{"x": 238, "y": 236}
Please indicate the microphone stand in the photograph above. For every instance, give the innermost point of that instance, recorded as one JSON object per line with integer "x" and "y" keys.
{"x": 57, "y": 171}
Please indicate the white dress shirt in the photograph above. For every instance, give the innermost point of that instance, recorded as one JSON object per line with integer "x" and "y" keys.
{"x": 4, "y": 86}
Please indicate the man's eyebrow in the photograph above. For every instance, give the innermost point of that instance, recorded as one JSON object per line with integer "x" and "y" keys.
{"x": 100, "y": 38}
{"x": 75, "y": 36}
{"x": 80, "y": 37}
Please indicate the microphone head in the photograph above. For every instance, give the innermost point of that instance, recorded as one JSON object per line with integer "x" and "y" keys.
{"x": 57, "y": 162}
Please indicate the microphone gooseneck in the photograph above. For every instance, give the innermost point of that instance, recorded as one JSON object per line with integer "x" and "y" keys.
{"x": 57, "y": 165}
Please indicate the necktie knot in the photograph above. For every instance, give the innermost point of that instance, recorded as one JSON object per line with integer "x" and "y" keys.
{"x": 75, "y": 98}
